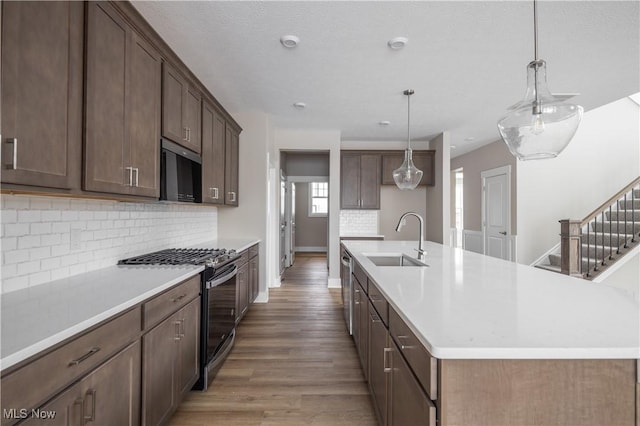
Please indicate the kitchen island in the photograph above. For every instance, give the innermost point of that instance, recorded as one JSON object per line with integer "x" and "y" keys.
{"x": 506, "y": 344}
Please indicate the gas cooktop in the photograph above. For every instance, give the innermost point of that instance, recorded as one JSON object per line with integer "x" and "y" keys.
{"x": 175, "y": 256}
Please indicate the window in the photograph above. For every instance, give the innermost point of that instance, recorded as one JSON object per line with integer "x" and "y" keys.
{"x": 318, "y": 199}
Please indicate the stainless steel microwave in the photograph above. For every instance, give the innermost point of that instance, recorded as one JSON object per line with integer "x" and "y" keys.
{"x": 180, "y": 173}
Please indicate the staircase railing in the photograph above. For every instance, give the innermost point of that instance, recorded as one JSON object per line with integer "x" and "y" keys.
{"x": 590, "y": 245}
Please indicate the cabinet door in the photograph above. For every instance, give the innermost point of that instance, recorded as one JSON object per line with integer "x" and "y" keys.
{"x": 213, "y": 156}
{"x": 231, "y": 167}
{"x": 173, "y": 88}
{"x": 253, "y": 279}
{"x": 144, "y": 117}
{"x": 370, "y": 181}
{"x": 159, "y": 348}
{"x": 364, "y": 333}
{"x": 187, "y": 362}
{"x": 42, "y": 48}
{"x": 68, "y": 408}
{"x": 408, "y": 404}
{"x": 192, "y": 120}
{"x": 111, "y": 393}
{"x": 350, "y": 181}
{"x": 106, "y": 88}
{"x": 378, "y": 364}
{"x": 242, "y": 293}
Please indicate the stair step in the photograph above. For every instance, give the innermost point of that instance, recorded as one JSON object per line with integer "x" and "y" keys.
{"x": 551, "y": 268}
{"x": 608, "y": 239}
{"x": 636, "y": 193}
{"x": 593, "y": 250}
{"x": 622, "y": 214}
{"x": 629, "y": 204}
{"x": 616, "y": 227}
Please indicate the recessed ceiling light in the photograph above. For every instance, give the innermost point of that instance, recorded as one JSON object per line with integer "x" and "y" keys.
{"x": 470, "y": 139}
{"x": 453, "y": 147}
{"x": 384, "y": 123}
{"x": 289, "y": 41}
{"x": 397, "y": 43}
{"x": 300, "y": 105}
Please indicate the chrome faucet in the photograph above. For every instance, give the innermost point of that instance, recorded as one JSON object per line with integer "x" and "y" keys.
{"x": 401, "y": 223}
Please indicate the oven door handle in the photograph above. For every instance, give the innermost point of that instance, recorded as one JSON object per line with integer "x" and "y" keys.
{"x": 222, "y": 279}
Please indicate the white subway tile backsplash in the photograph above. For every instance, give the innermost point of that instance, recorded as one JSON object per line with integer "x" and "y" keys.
{"x": 36, "y": 234}
{"x": 359, "y": 221}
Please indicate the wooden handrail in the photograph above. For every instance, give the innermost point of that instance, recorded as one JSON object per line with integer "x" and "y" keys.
{"x": 610, "y": 201}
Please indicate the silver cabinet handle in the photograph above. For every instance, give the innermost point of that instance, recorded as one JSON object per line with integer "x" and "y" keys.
{"x": 14, "y": 157}
{"x": 189, "y": 134}
{"x": 77, "y": 361}
{"x": 177, "y": 330}
{"x": 215, "y": 193}
{"x": 384, "y": 360}
{"x": 130, "y": 169}
{"x": 92, "y": 417}
{"x": 232, "y": 196}
{"x": 403, "y": 347}
{"x": 137, "y": 175}
{"x": 375, "y": 318}
{"x": 185, "y": 133}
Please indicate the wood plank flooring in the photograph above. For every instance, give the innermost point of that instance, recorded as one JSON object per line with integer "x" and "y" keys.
{"x": 293, "y": 363}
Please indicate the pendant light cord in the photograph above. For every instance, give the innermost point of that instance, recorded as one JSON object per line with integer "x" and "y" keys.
{"x": 536, "y": 107}
{"x": 409, "y": 120}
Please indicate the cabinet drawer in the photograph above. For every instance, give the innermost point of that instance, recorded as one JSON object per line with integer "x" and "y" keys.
{"x": 423, "y": 365}
{"x": 253, "y": 251}
{"x": 379, "y": 303}
{"x": 360, "y": 275}
{"x": 244, "y": 258}
{"x": 37, "y": 381}
{"x": 170, "y": 301}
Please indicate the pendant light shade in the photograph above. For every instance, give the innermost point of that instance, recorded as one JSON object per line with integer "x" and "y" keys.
{"x": 541, "y": 125}
{"x": 407, "y": 176}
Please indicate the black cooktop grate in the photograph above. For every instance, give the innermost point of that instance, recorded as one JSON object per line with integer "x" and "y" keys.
{"x": 174, "y": 257}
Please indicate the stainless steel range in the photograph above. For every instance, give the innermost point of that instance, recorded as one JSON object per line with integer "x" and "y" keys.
{"x": 218, "y": 296}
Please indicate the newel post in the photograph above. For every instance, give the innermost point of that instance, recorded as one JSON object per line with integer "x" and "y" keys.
{"x": 570, "y": 244}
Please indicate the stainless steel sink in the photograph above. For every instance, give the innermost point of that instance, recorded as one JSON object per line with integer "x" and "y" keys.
{"x": 394, "y": 260}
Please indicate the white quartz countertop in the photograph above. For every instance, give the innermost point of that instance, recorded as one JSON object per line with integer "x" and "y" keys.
{"x": 469, "y": 306}
{"x": 39, "y": 317}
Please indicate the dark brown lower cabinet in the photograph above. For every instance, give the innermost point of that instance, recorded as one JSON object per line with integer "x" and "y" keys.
{"x": 110, "y": 395}
{"x": 169, "y": 363}
{"x": 408, "y": 404}
{"x": 378, "y": 364}
{"x": 254, "y": 278}
{"x": 242, "y": 294}
{"x": 362, "y": 317}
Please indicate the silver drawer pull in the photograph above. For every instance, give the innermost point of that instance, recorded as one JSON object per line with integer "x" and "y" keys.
{"x": 135, "y": 169}
{"x": 77, "y": 361}
{"x": 179, "y": 298}
{"x": 375, "y": 318}
{"x": 130, "y": 169}
{"x": 403, "y": 347}
{"x": 384, "y": 360}
{"x": 14, "y": 157}
{"x": 177, "y": 330}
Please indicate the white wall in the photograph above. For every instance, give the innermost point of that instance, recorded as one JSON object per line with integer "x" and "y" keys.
{"x": 438, "y": 220}
{"x": 625, "y": 275}
{"x": 313, "y": 140}
{"x": 250, "y": 218}
{"x": 49, "y": 238}
{"x": 602, "y": 158}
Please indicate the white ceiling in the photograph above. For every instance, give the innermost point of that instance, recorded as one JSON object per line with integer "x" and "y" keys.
{"x": 465, "y": 60}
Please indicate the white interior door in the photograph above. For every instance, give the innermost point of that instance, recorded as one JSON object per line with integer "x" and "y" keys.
{"x": 496, "y": 212}
{"x": 292, "y": 228}
{"x": 283, "y": 225}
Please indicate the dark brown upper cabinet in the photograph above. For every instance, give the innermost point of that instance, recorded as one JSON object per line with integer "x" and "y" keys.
{"x": 213, "y": 155}
{"x": 180, "y": 109}
{"x": 231, "y": 166}
{"x": 423, "y": 160}
{"x": 122, "y": 140}
{"x": 359, "y": 180}
{"x": 42, "y": 48}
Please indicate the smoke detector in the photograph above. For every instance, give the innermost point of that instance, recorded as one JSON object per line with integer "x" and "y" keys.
{"x": 289, "y": 41}
{"x": 397, "y": 43}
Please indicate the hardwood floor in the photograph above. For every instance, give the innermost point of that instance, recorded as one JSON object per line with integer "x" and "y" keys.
{"x": 293, "y": 362}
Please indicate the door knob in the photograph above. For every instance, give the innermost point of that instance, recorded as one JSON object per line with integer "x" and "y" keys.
{"x": 503, "y": 232}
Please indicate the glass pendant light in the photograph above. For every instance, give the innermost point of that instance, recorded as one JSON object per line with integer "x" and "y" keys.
{"x": 541, "y": 125}
{"x": 407, "y": 176}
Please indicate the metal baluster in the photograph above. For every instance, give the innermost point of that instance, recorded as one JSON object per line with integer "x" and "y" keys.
{"x": 588, "y": 248}
{"x": 633, "y": 216}
{"x": 581, "y": 254}
{"x": 603, "y": 254}
{"x": 617, "y": 229}
{"x": 595, "y": 243}
{"x": 611, "y": 236}
{"x": 625, "y": 218}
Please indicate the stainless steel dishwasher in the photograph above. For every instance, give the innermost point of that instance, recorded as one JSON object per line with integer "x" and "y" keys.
{"x": 347, "y": 288}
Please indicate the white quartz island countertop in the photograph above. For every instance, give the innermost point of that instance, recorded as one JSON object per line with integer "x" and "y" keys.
{"x": 36, "y": 318}
{"x": 468, "y": 306}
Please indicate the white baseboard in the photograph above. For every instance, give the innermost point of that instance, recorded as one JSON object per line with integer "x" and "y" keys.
{"x": 311, "y": 249}
{"x": 334, "y": 283}
{"x": 276, "y": 282}
{"x": 472, "y": 241}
